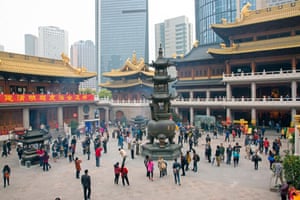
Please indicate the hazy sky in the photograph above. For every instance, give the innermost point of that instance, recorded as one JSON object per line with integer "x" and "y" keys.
{"x": 19, "y": 17}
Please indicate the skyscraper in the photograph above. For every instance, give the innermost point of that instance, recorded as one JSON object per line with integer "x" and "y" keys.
{"x": 31, "y": 45}
{"x": 211, "y": 12}
{"x": 121, "y": 28}
{"x": 175, "y": 35}
{"x": 83, "y": 55}
{"x": 52, "y": 42}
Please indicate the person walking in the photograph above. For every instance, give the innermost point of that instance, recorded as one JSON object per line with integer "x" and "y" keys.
{"x": 6, "y": 174}
{"x": 182, "y": 164}
{"x": 176, "y": 168}
{"x": 150, "y": 168}
{"x": 256, "y": 159}
{"x": 228, "y": 154}
{"x": 218, "y": 155}
{"x": 124, "y": 175}
{"x": 284, "y": 189}
{"x": 196, "y": 159}
{"x": 117, "y": 171}
{"x": 4, "y": 149}
{"x": 145, "y": 163}
{"x": 132, "y": 147}
{"x": 86, "y": 183}
{"x": 162, "y": 166}
{"x": 123, "y": 155}
{"x": 98, "y": 155}
{"x": 278, "y": 170}
{"x": 45, "y": 161}
{"x": 188, "y": 160}
{"x": 77, "y": 167}
{"x": 236, "y": 157}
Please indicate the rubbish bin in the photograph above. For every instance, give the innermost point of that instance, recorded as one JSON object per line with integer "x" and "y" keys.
{"x": 28, "y": 163}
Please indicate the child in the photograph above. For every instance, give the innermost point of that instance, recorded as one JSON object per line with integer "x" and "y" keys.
{"x": 117, "y": 171}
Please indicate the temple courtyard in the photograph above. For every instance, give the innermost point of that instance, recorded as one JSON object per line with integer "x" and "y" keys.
{"x": 210, "y": 182}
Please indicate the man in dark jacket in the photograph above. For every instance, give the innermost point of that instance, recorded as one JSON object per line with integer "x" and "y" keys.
{"x": 86, "y": 183}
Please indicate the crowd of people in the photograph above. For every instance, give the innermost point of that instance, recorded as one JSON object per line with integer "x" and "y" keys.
{"x": 193, "y": 142}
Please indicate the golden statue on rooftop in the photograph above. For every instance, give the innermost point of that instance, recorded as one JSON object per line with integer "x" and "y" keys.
{"x": 65, "y": 58}
{"x": 245, "y": 12}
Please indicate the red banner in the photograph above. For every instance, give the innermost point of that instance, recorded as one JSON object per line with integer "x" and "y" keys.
{"x": 29, "y": 98}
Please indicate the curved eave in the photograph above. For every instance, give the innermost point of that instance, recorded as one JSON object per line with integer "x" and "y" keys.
{"x": 127, "y": 73}
{"x": 125, "y": 85}
{"x": 259, "y": 46}
{"x": 263, "y": 16}
{"x": 37, "y": 66}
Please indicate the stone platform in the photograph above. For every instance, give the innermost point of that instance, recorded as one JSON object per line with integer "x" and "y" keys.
{"x": 169, "y": 152}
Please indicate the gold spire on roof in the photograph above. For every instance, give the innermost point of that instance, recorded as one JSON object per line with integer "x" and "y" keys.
{"x": 131, "y": 66}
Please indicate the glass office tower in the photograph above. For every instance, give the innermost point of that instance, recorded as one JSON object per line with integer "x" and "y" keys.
{"x": 121, "y": 29}
{"x": 211, "y": 12}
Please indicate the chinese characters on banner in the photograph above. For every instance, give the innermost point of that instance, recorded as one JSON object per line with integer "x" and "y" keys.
{"x": 28, "y": 98}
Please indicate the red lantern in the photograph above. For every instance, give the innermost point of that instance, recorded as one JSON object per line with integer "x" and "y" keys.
{"x": 75, "y": 115}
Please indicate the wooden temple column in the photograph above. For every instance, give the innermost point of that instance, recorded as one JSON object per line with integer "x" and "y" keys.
{"x": 227, "y": 65}
{"x": 294, "y": 64}
{"x": 253, "y": 67}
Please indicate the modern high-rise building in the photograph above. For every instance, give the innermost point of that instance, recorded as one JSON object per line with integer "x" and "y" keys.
{"x": 210, "y": 12}
{"x": 121, "y": 28}
{"x": 52, "y": 42}
{"x": 31, "y": 45}
{"x": 174, "y": 35}
{"x": 278, "y": 2}
{"x": 83, "y": 55}
{"x": 213, "y": 12}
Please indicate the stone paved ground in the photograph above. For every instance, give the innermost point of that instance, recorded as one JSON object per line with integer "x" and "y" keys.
{"x": 209, "y": 183}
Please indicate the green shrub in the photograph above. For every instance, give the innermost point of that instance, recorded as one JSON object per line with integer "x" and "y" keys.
{"x": 291, "y": 165}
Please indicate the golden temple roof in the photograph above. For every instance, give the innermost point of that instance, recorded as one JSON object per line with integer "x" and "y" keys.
{"x": 39, "y": 66}
{"x": 131, "y": 67}
{"x": 126, "y": 83}
{"x": 257, "y": 46}
{"x": 259, "y": 16}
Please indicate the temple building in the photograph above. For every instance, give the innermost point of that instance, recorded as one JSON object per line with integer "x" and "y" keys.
{"x": 132, "y": 81}
{"x": 37, "y": 91}
{"x": 253, "y": 75}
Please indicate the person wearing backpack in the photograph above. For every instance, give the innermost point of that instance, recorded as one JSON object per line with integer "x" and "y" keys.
{"x": 162, "y": 166}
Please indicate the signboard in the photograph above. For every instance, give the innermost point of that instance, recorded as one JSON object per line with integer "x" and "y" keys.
{"x": 29, "y": 98}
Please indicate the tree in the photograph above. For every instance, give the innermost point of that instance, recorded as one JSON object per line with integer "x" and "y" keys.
{"x": 104, "y": 93}
{"x": 87, "y": 91}
{"x": 291, "y": 166}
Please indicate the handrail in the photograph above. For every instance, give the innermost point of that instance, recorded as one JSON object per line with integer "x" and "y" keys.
{"x": 264, "y": 73}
